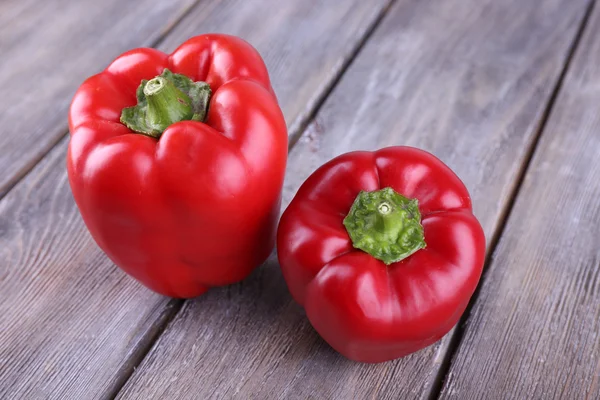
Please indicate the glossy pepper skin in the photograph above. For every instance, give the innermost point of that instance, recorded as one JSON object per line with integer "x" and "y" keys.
{"x": 367, "y": 310}
{"x": 196, "y": 207}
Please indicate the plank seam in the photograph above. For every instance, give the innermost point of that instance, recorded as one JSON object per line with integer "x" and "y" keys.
{"x": 457, "y": 336}
{"x": 167, "y": 314}
{"x": 299, "y": 126}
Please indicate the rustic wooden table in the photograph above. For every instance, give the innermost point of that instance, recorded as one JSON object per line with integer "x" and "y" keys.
{"x": 506, "y": 92}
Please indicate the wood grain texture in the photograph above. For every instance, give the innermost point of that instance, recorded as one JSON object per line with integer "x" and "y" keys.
{"x": 69, "y": 319}
{"x": 534, "y": 332}
{"x": 466, "y": 80}
{"x": 305, "y": 44}
{"x": 48, "y": 48}
{"x": 73, "y": 325}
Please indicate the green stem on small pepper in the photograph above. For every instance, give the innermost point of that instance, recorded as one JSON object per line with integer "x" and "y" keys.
{"x": 164, "y": 100}
{"x": 386, "y": 225}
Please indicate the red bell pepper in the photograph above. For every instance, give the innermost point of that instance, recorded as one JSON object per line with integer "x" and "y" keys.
{"x": 176, "y": 163}
{"x": 383, "y": 251}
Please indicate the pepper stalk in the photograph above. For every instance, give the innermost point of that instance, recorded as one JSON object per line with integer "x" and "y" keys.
{"x": 164, "y": 100}
{"x": 386, "y": 225}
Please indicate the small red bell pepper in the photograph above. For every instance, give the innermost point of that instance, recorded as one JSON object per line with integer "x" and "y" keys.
{"x": 176, "y": 163}
{"x": 382, "y": 250}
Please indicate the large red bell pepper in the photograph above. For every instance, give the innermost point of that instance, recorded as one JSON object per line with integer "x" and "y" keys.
{"x": 183, "y": 189}
{"x": 383, "y": 251}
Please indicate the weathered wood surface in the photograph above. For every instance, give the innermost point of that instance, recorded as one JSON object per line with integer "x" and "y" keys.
{"x": 70, "y": 321}
{"x": 73, "y": 325}
{"x": 48, "y": 48}
{"x": 467, "y": 80}
{"x": 305, "y": 44}
{"x": 534, "y": 332}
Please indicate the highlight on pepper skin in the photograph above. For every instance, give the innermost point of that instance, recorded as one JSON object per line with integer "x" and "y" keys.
{"x": 382, "y": 250}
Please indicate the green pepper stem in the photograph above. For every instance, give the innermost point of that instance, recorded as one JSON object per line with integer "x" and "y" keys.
{"x": 166, "y": 104}
{"x": 165, "y": 100}
{"x": 386, "y": 225}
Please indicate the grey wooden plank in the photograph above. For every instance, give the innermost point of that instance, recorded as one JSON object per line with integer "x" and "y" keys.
{"x": 468, "y": 81}
{"x": 534, "y": 329}
{"x": 73, "y": 325}
{"x": 69, "y": 319}
{"x": 48, "y": 48}
{"x": 300, "y": 82}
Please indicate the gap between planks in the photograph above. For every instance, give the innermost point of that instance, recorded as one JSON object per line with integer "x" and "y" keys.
{"x": 458, "y": 334}
{"x": 296, "y": 130}
{"x": 301, "y": 124}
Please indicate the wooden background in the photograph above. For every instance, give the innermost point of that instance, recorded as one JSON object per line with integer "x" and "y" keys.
{"x": 506, "y": 92}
